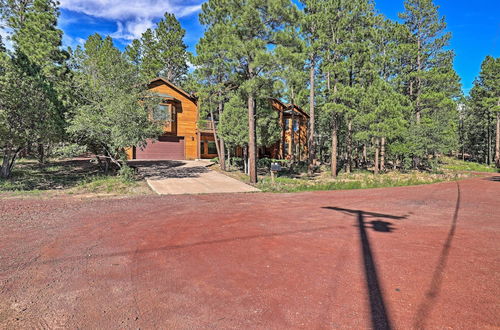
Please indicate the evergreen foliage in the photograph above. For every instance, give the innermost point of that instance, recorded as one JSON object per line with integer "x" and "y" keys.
{"x": 161, "y": 52}
{"x": 481, "y": 115}
{"x": 113, "y": 109}
{"x": 380, "y": 94}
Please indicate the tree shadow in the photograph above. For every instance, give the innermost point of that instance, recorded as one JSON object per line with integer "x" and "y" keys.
{"x": 52, "y": 175}
{"x": 378, "y": 310}
{"x": 493, "y": 178}
{"x": 165, "y": 169}
{"x": 437, "y": 278}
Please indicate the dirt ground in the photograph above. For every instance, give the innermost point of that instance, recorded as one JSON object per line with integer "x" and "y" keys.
{"x": 409, "y": 257}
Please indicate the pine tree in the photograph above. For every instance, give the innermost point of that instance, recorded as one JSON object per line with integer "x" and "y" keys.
{"x": 309, "y": 29}
{"x": 291, "y": 77}
{"x": 430, "y": 81}
{"x": 248, "y": 28}
{"x": 20, "y": 118}
{"x": 216, "y": 78}
{"x": 3, "y": 49}
{"x": 37, "y": 41}
{"x": 485, "y": 103}
{"x": 109, "y": 116}
{"x": 161, "y": 51}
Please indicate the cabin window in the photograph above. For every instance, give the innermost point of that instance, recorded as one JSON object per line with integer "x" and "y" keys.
{"x": 295, "y": 125}
{"x": 212, "y": 148}
{"x": 287, "y": 124}
{"x": 162, "y": 113}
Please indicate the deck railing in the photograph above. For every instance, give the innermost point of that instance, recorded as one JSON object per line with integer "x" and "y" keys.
{"x": 206, "y": 125}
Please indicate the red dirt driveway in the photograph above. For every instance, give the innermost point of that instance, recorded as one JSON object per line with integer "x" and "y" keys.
{"x": 410, "y": 257}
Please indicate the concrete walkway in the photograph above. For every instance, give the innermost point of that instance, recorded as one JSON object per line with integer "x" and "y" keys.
{"x": 189, "y": 177}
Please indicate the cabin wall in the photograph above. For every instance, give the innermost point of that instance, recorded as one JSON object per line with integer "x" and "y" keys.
{"x": 187, "y": 116}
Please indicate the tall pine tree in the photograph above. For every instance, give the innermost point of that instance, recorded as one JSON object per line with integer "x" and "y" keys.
{"x": 248, "y": 28}
{"x": 161, "y": 51}
{"x": 485, "y": 109}
{"x": 430, "y": 81}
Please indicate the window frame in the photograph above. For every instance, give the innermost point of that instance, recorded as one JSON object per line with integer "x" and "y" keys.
{"x": 168, "y": 113}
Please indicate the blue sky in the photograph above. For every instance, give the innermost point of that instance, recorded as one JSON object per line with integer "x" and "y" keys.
{"x": 475, "y": 25}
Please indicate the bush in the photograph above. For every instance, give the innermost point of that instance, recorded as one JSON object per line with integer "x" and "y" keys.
{"x": 237, "y": 162}
{"x": 264, "y": 163}
{"x": 127, "y": 173}
{"x": 67, "y": 150}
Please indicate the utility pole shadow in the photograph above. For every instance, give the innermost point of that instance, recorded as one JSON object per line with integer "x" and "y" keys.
{"x": 379, "y": 315}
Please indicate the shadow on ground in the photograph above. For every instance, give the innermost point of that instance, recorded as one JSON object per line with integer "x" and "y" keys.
{"x": 53, "y": 175}
{"x": 164, "y": 169}
{"x": 434, "y": 289}
{"x": 494, "y": 178}
{"x": 378, "y": 310}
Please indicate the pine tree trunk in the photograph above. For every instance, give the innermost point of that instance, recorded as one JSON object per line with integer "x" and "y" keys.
{"x": 311, "y": 143}
{"x": 221, "y": 140}
{"x": 245, "y": 159}
{"x": 382, "y": 154}
{"x": 377, "y": 146}
{"x": 334, "y": 146}
{"x": 365, "y": 158}
{"x": 252, "y": 148}
{"x": 282, "y": 144}
{"x": 41, "y": 153}
{"x": 223, "y": 158}
{"x": 9, "y": 160}
{"x": 497, "y": 145}
{"x": 292, "y": 136}
{"x": 419, "y": 81}
{"x": 349, "y": 147}
{"x": 218, "y": 142}
{"x": 5, "y": 169}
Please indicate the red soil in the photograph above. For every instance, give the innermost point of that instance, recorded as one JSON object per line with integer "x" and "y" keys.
{"x": 423, "y": 257}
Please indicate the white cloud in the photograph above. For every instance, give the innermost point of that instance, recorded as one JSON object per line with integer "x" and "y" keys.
{"x": 132, "y": 17}
{"x": 68, "y": 41}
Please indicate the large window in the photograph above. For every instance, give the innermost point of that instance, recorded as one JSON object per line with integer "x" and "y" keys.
{"x": 162, "y": 113}
{"x": 212, "y": 148}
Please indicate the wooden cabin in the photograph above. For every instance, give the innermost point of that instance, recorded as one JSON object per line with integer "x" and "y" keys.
{"x": 181, "y": 138}
{"x": 293, "y": 136}
{"x": 294, "y": 127}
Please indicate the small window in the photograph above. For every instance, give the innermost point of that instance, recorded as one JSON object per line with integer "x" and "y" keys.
{"x": 202, "y": 147}
{"x": 212, "y": 148}
{"x": 162, "y": 113}
{"x": 287, "y": 124}
{"x": 295, "y": 125}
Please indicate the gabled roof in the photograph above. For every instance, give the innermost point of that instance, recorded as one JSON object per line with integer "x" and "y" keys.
{"x": 290, "y": 106}
{"x": 176, "y": 88}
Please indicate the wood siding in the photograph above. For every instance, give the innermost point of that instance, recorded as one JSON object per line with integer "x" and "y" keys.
{"x": 184, "y": 117}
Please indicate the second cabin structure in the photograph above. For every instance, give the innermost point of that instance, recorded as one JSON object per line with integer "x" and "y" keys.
{"x": 294, "y": 127}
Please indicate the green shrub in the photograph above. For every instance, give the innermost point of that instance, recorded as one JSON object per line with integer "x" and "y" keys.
{"x": 237, "y": 162}
{"x": 67, "y": 150}
{"x": 127, "y": 173}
